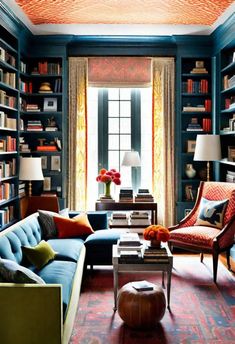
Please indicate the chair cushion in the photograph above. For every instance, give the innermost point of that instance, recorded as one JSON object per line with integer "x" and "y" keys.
{"x": 12, "y": 272}
{"x": 77, "y": 226}
{"x": 40, "y": 254}
{"x": 211, "y": 213}
{"x": 67, "y": 249}
{"x": 195, "y": 235}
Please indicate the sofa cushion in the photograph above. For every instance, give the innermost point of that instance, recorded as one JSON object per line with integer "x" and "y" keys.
{"x": 195, "y": 235}
{"x": 12, "y": 272}
{"x": 75, "y": 227}
{"x": 47, "y": 223}
{"x": 60, "y": 272}
{"x": 211, "y": 213}
{"x": 40, "y": 254}
{"x": 67, "y": 249}
{"x": 97, "y": 219}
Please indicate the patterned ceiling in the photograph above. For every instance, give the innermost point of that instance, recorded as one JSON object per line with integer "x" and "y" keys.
{"x": 197, "y": 12}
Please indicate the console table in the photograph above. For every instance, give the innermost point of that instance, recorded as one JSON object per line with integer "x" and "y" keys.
{"x": 128, "y": 206}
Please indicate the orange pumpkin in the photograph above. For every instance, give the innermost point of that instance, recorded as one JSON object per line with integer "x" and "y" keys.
{"x": 141, "y": 309}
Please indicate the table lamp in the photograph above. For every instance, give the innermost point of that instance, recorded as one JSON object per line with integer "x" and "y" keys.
{"x": 207, "y": 149}
{"x": 30, "y": 169}
{"x": 131, "y": 159}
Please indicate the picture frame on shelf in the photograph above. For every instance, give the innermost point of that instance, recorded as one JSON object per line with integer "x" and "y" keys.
{"x": 55, "y": 163}
{"x": 189, "y": 196}
{"x": 50, "y": 104}
{"x": 47, "y": 184}
{"x": 44, "y": 162}
{"x": 191, "y": 144}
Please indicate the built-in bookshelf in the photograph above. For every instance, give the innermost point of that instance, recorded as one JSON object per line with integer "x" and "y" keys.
{"x": 195, "y": 118}
{"x": 9, "y": 95}
{"x": 227, "y": 115}
{"x": 41, "y": 117}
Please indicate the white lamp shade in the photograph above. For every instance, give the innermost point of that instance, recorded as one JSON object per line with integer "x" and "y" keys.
{"x": 30, "y": 169}
{"x": 207, "y": 148}
{"x": 131, "y": 159}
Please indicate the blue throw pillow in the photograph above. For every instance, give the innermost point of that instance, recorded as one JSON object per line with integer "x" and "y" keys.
{"x": 211, "y": 213}
{"x": 12, "y": 272}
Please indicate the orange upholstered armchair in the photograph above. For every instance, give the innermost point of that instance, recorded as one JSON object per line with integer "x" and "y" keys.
{"x": 210, "y": 226}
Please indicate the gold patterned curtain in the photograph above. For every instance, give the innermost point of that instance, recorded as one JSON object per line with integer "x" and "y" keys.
{"x": 77, "y": 122}
{"x": 163, "y": 138}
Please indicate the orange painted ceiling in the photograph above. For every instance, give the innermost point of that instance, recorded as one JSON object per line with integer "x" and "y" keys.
{"x": 197, "y": 12}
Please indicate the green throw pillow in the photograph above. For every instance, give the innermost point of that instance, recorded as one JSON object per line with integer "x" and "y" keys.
{"x": 211, "y": 213}
{"x": 40, "y": 254}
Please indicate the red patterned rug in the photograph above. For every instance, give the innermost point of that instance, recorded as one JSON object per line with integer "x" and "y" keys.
{"x": 201, "y": 311}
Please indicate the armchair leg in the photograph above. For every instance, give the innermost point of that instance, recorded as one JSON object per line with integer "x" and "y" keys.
{"x": 215, "y": 265}
{"x": 228, "y": 258}
{"x": 201, "y": 257}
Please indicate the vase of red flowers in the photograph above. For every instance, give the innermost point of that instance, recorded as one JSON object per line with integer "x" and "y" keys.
{"x": 155, "y": 234}
{"x": 108, "y": 177}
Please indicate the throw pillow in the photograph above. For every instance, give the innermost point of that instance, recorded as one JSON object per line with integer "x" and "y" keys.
{"x": 211, "y": 213}
{"x": 40, "y": 254}
{"x": 47, "y": 223}
{"x": 12, "y": 272}
{"x": 77, "y": 226}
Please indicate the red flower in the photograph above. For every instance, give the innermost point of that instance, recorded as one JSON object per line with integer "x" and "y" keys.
{"x": 117, "y": 181}
{"x": 156, "y": 232}
{"x": 106, "y": 176}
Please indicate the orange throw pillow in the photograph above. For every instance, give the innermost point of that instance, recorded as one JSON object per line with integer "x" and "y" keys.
{"x": 77, "y": 226}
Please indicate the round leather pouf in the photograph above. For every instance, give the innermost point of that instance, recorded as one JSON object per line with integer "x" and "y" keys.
{"x": 141, "y": 309}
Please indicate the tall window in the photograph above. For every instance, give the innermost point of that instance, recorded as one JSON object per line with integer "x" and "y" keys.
{"x": 119, "y": 119}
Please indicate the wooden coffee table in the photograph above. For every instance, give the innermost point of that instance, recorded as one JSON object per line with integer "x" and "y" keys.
{"x": 140, "y": 266}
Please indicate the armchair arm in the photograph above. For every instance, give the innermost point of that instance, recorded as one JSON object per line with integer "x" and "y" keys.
{"x": 30, "y": 313}
{"x": 225, "y": 237}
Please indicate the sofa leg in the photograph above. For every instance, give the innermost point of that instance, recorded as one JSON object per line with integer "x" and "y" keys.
{"x": 228, "y": 259}
{"x": 201, "y": 257}
{"x": 215, "y": 265}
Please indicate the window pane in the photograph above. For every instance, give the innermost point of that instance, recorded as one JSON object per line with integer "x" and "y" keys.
{"x": 125, "y": 93}
{"x": 113, "y": 93}
{"x": 113, "y": 160}
{"x": 125, "y": 142}
{"x": 113, "y": 142}
{"x": 113, "y": 125}
{"x": 125, "y": 109}
{"x": 113, "y": 110}
{"x": 125, "y": 126}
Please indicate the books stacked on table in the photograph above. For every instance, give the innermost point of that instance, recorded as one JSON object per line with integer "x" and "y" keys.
{"x": 129, "y": 240}
{"x": 230, "y": 177}
{"x": 130, "y": 257}
{"x": 119, "y": 219}
{"x": 140, "y": 218}
{"x": 126, "y": 195}
{"x": 130, "y": 248}
{"x": 143, "y": 285}
{"x": 144, "y": 195}
{"x": 155, "y": 255}
{"x": 107, "y": 199}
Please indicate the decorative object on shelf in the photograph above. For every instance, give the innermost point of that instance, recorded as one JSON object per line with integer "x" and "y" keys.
{"x": 190, "y": 171}
{"x": 207, "y": 149}
{"x": 30, "y": 169}
{"x": 231, "y": 153}
{"x": 51, "y": 124}
{"x": 189, "y": 194}
{"x": 132, "y": 159}
{"x": 107, "y": 177}
{"x": 199, "y": 68}
{"x": 55, "y": 163}
{"x": 45, "y": 87}
{"x": 50, "y": 104}
{"x": 44, "y": 162}
{"x": 156, "y": 234}
{"x": 47, "y": 184}
{"x": 191, "y": 146}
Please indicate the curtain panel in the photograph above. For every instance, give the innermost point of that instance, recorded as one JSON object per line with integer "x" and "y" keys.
{"x": 163, "y": 145}
{"x": 77, "y": 150}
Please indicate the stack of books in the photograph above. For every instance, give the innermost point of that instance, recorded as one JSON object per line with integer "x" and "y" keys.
{"x": 128, "y": 240}
{"x": 143, "y": 285}
{"x": 32, "y": 108}
{"x": 126, "y": 195}
{"x": 199, "y": 68}
{"x": 107, "y": 199}
{"x": 230, "y": 177}
{"x": 194, "y": 125}
{"x": 140, "y": 218}
{"x": 144, "y": 195}
{"x": 119, "y": 219}
{"x": 158, "y": 255}
{"x": 129, "y": 248}
{"x": 34, "y": 125}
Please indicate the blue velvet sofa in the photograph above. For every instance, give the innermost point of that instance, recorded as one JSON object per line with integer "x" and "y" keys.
{"x": 45, "y": 313}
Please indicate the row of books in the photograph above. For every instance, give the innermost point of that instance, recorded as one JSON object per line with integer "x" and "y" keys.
{"x": 126, "y": 195}
{"x": 7, "y": 168}
{"x": 8, "y": 78}
{"x": 192, "y": 86}
{"x": 29, "y": 88}
{"x": 7, "y": 122}
{"x": 230, "y": 177}
{"x": 6, "y": 57}
{"x": 6, "y": 215}
{"x": 231, "y": 153}
{"x": 229, "y": 81}
{"x": 229, "y": 103}
{"x": 7, "y": 100}
{"x": 45, "y": 67}
{"x": 7, "y": 191}
{"x": 8, "y": 144}
{"x": 21, "y": 189}
{"x": 206, "y": 107}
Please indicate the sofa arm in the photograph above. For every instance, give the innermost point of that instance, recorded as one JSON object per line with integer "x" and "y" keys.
{"x": 98, "y": 219}
{"x": 30, "y": 313}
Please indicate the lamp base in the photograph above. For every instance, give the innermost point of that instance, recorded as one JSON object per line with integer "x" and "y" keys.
{"x": 30, "y": 188}
{"x": 208, "y": 171}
